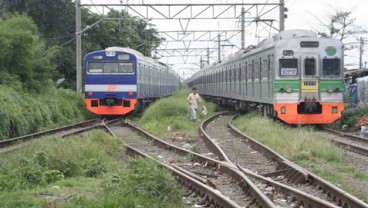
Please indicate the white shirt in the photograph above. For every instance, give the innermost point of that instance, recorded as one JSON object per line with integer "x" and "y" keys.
{"x": 193, "y": 100}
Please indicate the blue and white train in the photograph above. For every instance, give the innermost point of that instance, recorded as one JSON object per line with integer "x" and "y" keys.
{"x": 119, "y": 80}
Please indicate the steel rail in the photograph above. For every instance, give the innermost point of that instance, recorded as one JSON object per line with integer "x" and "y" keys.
{"x": 21, "y": 139}
{"x": 208, "y": 141}
{"x": 229, "y": 168}
{"x": 211, "y": 195}
{"x": 363, "y": 150}
{"x": 334, "y": 193}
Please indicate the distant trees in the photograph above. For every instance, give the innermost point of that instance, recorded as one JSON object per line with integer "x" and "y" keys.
{"x": 341, "y": 25}
{"x": 55, "y": 20}
{"x": 23, "y": 56}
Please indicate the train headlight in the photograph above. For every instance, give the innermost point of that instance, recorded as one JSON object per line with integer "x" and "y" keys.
{"x": 282, "y": 89}
{"x": 330, "y": 89}
{"x": 334, "y": 109}
{"x": 289, "y": 89}
{"x": 90, "y": 93}
{"x": 130, "y": 94}
{"x": 283, "y": 110}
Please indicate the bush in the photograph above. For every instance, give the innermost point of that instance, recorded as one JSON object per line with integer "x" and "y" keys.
{"x": 351, "y": 116}
{"x": 172, "y": 112}
{"x": 23, "y": 113}
{"x": 46, "y": 161}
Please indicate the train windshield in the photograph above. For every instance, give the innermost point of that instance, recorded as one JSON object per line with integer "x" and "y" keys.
{"x": 288, "y": 67}
{"x": 310, "y": 67}
{"x": 331, "y": 67}
{"x": 110, "y": 67}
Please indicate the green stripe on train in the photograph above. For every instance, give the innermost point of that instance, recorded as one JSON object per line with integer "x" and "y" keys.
{"x": 294, "y": 84}
{"x": 325, "y": 84}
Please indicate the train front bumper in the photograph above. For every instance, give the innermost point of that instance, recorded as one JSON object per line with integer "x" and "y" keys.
{"x": 288, "y": 112}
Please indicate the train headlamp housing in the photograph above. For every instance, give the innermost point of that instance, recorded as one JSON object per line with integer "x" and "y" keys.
{"x": 289, "y": 89}
{"x": 330, "y": 89}
{"x": 283, "y": 110}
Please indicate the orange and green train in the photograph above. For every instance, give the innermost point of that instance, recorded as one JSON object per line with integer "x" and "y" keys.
{"x": 295, "y": 76}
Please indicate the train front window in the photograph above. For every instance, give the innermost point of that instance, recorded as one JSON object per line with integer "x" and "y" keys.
{"x": 331, "y": 67}
{"x": 309, "y": 67}
{"x": 110, "y": 68}
{"x": 288, "y": 67}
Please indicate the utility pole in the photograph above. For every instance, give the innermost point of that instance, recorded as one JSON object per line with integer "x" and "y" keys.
{"x": 219, "y": 47}
{"x": 78, "y": 37}
{"x": 361, "y": 53}
{"x": 208, "y": 56}
{"x": 282, "y": 15}
{"x": 242, "y": 28}
{"x": 201, "y": 63}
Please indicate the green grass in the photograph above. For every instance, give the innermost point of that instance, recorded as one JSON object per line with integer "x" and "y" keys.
{"x": 23, "y": 113}
{"x": 306, "y": 147}
{"x": 171, "y": 115}
{"x": 83, "y": 172}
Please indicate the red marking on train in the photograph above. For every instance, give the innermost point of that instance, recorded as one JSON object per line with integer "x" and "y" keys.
{"x": 111, "y": 88}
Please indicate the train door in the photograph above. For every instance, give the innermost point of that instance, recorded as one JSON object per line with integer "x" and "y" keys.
{"x": 309, "y": 89}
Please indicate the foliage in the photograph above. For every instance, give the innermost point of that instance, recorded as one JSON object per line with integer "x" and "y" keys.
{"x": 341, "y": 25}
{"x": 351, "y": 116}
{"x": 56, "y": 25}
{"x": 23, "y": 113}
{"x": 23, "y": 55}
{"x": 67, "y": 164}
{"x": 44, "y": 162}
{"x": 172, "y": 114}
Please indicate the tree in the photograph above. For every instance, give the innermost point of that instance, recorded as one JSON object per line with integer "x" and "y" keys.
{"x": 23, "y": 54}
{"x": 56, "y": 22}
{"x": 341, "y": 25}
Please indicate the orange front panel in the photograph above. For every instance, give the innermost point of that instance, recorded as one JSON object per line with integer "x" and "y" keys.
{"x": 291, "y": 115}
{"x": 111, "y": 110}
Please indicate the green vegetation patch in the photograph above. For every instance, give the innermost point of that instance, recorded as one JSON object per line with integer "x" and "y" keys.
{"x": 83, "y": 172}
{"x": 23, "y": 113}
{"x": 350, "y": 117}
{"x": 306, "y": 147}
{"x": 172, "y": 114}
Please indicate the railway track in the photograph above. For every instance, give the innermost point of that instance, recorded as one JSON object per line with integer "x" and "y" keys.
{"x": 348, "y": 142}
{"x": 78, "y": 128}
{"x": 271, "y": 172}
{"x": 218, "y": 177}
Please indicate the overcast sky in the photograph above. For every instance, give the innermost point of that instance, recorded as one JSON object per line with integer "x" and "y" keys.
{"x": 302, "y": 14}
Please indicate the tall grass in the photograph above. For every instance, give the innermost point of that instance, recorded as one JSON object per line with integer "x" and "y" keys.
{"x": 301, "y": 143}
{"x": 22, "y": 113}
{"x": 88, "y": 172}
{"x": 46, "y": 161}
{"x": 172, "y": 113}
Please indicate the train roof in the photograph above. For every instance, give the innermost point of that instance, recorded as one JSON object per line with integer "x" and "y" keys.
{"x": 266, "y": 43}
{"x": 140, "y": 56}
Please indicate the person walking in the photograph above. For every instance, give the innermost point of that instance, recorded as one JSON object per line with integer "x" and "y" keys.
{"x": 194, "y": 99}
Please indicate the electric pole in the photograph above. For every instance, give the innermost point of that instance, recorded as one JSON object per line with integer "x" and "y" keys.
{"x": 208, "y": 56}
{"x": 242, "y": 28}
{"x": 78, "y": 37}
{"x": 282, "y": 15}
{"x": 361, "y": 53}
{"x": 219, "y": 47}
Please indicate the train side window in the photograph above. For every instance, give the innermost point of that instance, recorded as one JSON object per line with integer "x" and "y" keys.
{"x": 288, "y": 67}
{"x": 249, "y": 71}
{"x": 309, "y": 67}
{"x": 269, "y": 67}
